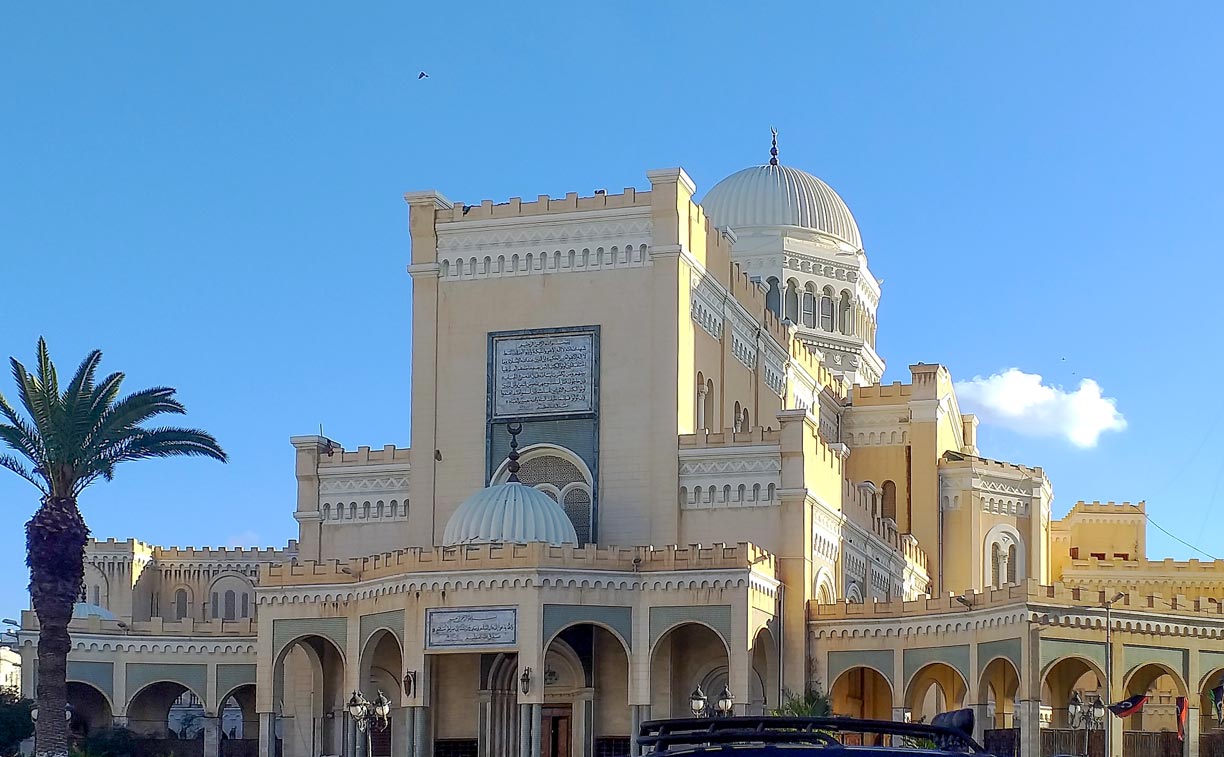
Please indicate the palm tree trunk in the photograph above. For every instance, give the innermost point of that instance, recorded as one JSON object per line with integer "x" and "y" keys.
{"x": 55, "y": 552}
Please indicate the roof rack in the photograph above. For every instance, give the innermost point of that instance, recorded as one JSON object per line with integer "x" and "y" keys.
{"x": 663, "y": 735}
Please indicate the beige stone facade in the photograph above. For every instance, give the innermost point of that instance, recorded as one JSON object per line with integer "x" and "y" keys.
{"x": 754, "y": 513}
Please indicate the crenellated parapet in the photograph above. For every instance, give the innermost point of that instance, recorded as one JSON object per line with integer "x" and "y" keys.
{"x": 495, "y": 557}
{"x": 1030, "y": 592}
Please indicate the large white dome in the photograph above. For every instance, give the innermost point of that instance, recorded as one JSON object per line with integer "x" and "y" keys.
{"x": 509, "y": 513}
{"x": 777, "y": 195}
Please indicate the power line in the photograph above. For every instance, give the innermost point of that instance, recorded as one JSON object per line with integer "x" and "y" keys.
{"x": 1171, "y": 535}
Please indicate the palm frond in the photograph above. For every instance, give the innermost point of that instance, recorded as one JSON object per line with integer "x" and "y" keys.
{"x": 21, "y": 438}
{"x": 75, "y": 437}
{"x": 77, "y": 396}
{"x": 12, "y": 463}
{"x": 134, "y": 409}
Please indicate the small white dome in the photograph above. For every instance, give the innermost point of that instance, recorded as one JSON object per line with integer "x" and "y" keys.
{"x": 509, "y": 513}
{"x": 89, "y": 610}
{"x": 777, "y": 195}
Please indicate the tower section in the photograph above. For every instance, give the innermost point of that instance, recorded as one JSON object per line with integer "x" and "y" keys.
{"x": 795, "y": 236}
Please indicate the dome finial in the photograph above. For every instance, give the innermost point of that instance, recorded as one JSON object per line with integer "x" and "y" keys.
{"x": 773, "y": 151}
{"x": 515, "y": 429}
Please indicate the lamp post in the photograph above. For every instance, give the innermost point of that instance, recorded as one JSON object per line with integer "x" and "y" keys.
{"x": 1088, "y": 715}
{"x": 1109, "y": 664}
{"x": 369, "y": 715}
{"x": 700, "y": 704}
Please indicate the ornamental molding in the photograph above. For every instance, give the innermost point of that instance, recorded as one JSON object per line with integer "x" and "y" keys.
{"x": 496, "y": 581}
{"x": 357, "y": 484}
{"x": 236, "y": 649}
{"x": 757, "y": 461}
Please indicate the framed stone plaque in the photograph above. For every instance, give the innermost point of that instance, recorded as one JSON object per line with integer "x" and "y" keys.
{"x": 543, "y": 373}
{"x": 471, "y": 628}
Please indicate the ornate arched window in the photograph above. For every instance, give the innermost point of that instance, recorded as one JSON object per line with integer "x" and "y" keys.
{"x": 562, "y": 475}
{"x": 1004, "y": 556}
{"x": 889, "y": 500}
{"x": 826, "y": 310}
{"x": 809, "y": 307}
{"x": 180, "y": 604}
{"x": 844, "y": 314}
{"x": 773, "y": 297}
{"x": 792, "y": 300}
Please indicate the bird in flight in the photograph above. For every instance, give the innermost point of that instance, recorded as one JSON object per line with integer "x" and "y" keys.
{"x": 422, "y": 75}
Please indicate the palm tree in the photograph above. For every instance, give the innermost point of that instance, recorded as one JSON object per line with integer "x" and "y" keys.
{"x": 69, "y": 440}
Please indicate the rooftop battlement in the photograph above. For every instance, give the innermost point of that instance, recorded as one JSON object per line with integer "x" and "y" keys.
{"x": 96, "y": 548}
{"x": 1137, "y": 509}
{"x": 388, "y": 455}
{"x": 519, "y": 556}
{"x": 896, "y": 391}
{"x": 958, "y": 459}
{"x": 249, "y": 554}
{"x": 542, "y": 205}
{"x": 704, "y": 438}
{"x": 1030, "y": 592}
{"x": 1168, "y": 568}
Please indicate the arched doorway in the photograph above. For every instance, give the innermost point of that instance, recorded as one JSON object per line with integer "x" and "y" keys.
{"x": 764, "y": 694}
{"x": 686, "y": 656}
{"x": 935, "y": 688}
{"x": 381, "y": 666}
{"x": 997, "y": 690}
{"x": 862, "y": 692}
{"x": 236, "y": 715}
{"x": 309, "y": 697}
{"x": 91, "y": 710}
{"x": 1163, "y": 686}
{"x": 586, "y": 693}
{"x": 1208, "y": 703}
{"x": 166, "y": 710}
{"x": 1064, "y": 677}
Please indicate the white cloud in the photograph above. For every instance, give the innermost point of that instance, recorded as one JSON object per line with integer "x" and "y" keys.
{"x": 243, "y": 539}
{"x": 1023, "y": 403}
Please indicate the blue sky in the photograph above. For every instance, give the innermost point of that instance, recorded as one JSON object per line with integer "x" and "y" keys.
{"x": 212, "y": 195}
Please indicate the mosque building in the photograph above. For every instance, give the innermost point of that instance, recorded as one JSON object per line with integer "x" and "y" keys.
{"x": 651, "y": 462}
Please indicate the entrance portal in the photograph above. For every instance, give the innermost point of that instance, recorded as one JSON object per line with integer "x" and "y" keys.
{"x": 555, "y": 731}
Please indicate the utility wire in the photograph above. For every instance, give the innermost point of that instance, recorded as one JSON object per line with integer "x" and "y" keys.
{"x": 1172, "y": 535}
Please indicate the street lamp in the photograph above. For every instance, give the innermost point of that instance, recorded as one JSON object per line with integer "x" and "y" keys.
{"x": 725, "y": 701}
{"x": 1089, "y": 716}
{"x": 697, "y": 702}
{"x": 369, "y": 715}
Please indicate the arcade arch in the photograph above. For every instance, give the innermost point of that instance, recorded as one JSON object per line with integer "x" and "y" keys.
{"x": 936, "y": 687}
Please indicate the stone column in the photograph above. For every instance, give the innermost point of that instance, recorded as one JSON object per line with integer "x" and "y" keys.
{"x": 421, "y": 743}
{"x": 981, "y": 714}
{"x": 484, "y": 728}
{"x": 350, "y": 735}
{"x": 401, "y": 740}
{"x": 638, "y": 714}
{"x": 900, "y": 714}
{"x": 212, "y": 736}
{"x": 525, "y": 721}
{"x": 1190, "y": 747}
{"x": 267, "y": 734}
{"x": 537, "y": 729}
{"x": 361, "y": 741}
{"x": 1028, "y": 720}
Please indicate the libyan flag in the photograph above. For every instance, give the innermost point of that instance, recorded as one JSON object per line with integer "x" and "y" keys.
{"x": 1216, "y": 696}
{"x": 1129, "y": 706}
{"x": 1181, "y": 718}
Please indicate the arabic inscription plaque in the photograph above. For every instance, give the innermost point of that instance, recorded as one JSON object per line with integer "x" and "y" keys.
{"x": 467, "y": 628}
{"x": 544, "y": 374}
